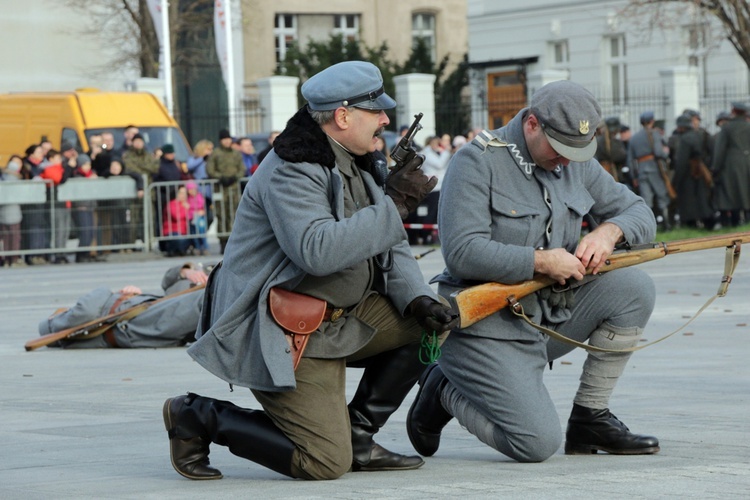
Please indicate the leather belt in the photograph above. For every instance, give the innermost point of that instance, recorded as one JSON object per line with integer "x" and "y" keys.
{"x": 333, "y": 313}
{"x": 109, "y": 335}
{"x": 646, "y": 158}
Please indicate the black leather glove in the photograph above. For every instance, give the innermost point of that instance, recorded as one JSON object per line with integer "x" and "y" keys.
{"x": 556, "y": 298}
{"x": 433, "y": 316}
{"x": 408, "y": 185}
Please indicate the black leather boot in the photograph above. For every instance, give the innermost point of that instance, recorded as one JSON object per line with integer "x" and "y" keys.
{"x": 592, "y": 430}
{"x": 387, "y": 379}
{"x": 427, "y": 417}
{"x": 188, "y": 450}
{"x": 194, "y": 421}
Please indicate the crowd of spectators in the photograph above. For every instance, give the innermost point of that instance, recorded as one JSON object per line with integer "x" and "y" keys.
{"x": 182, "y": 205}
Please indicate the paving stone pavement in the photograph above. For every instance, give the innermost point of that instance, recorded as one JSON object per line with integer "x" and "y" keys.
{"x": 87, "y": 424}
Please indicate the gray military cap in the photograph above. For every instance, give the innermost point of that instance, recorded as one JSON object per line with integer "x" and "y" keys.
{"x": 723, "y": 115}
{"x": 647, "y": 116}
{"x": 739, "y": 106}
{"x": 351, "y": 83}
{"x": 613, "y": 123}
{"x": 569, "y": 115}
{"x": 684, "y": 121}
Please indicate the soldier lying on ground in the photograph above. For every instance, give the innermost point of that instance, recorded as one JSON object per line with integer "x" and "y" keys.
{"x": 168, "y": 323}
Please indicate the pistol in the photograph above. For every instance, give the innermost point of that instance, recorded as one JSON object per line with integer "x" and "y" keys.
{"x": 404, "y": 146}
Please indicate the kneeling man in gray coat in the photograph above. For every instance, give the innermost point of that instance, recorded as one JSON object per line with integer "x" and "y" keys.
{"x": 318, "y": 218}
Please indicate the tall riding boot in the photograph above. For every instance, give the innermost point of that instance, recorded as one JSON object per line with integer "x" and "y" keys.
{"x": 387, "y": 379}
{"x": 427, "y": 417}
{"x": 193, "y": 422}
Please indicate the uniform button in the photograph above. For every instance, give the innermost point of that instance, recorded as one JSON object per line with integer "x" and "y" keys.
{"x": 288, "y": 350}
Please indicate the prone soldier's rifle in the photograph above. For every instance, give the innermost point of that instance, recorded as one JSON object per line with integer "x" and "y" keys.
{"x": 100, "y": 325}
{"x": 478, "y": 302}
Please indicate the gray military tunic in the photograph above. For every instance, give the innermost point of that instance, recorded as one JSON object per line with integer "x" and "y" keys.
{"x": 496, "y": 208}
{"x": 170, "y": 323}
{"x": 650, "y": 183}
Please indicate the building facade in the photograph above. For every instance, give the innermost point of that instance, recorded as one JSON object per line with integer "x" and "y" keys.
{"x": 515, "y": 47}
{"x": 270, "y": 27}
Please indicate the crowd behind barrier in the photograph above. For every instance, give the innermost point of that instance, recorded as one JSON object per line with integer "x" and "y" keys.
{"x": 84, "y": 219}
{"x": 143, "y": 200}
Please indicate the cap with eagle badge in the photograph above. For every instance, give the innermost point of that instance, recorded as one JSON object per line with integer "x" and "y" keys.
{"x": 568, "y": 114}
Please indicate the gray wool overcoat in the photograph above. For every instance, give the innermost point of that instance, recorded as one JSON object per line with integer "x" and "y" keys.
{"x": 291, "y": 223}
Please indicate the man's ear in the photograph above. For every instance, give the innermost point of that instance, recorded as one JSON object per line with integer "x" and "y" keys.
{"x": 341, "y": 117}
{"x": 532, "y": 121}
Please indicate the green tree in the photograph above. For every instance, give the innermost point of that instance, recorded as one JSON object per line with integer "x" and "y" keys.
{"x": 319, "y": 54}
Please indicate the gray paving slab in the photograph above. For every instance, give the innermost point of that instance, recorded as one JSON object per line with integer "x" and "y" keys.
{"x": 87, "y": 424}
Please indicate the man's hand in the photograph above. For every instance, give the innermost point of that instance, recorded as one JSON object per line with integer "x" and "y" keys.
{"x": 558, "y": 264}
{"x": 130, "y": 290}
{"x": 196, "y": 276}
{"x": 433, "y": 316}
{"x": 595, "y": 248}
{"x": 408, "y": 186}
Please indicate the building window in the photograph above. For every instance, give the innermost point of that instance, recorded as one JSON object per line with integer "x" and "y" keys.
{"x": 560, "y": 54}
{"x": 285, "y": 33}
{"x": 618, "y": 70}
{"x": 346, "y": 25}
{"x": 423, "y": 26}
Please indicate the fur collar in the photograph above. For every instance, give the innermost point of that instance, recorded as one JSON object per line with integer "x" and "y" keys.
{"x": 303, "y": 141}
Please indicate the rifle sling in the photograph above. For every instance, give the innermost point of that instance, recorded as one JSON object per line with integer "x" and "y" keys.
{"x": 731, "y": 260}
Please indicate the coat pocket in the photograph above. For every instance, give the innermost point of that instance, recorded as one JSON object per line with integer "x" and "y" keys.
{"x": 519, "y": 224}
{"x": 578, "y": 207}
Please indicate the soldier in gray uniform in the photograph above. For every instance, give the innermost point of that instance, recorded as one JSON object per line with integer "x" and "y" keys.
{"x": 644, "y": 149}
{"x": 511, "y": 208}
{"x": 169, "y": 323}
{"x": 317, "y": 218}
{"x": 731, "y": 167}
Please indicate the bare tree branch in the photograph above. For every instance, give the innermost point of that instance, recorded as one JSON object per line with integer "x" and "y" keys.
{"x": 733, "y": 15}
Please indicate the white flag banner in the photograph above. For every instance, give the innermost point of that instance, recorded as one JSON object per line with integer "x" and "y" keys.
{"x": 154, "y": 8}
{"x": 221, "y": 31}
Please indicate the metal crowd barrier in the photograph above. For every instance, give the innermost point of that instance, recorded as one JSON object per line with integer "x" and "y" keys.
{"x": 105, "y": 215}
{"x": 219, "y": 223}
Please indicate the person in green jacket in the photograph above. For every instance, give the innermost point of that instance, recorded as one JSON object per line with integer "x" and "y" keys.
{"x": 225, "y": 165}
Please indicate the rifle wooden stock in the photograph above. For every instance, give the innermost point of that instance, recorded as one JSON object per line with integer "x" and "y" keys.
{"x": 667, "y": 181}
{"x": 478, "y": 302}
{"x": 98, "y": 326}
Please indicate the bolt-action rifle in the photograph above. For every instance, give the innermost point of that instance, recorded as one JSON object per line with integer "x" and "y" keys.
{"x": 99, "y": 326}
{"x": 478, "y": 302}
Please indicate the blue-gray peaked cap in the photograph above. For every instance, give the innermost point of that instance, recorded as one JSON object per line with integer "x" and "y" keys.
{"x": 351, "y": 83}
{"x": 569, "y": 115}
